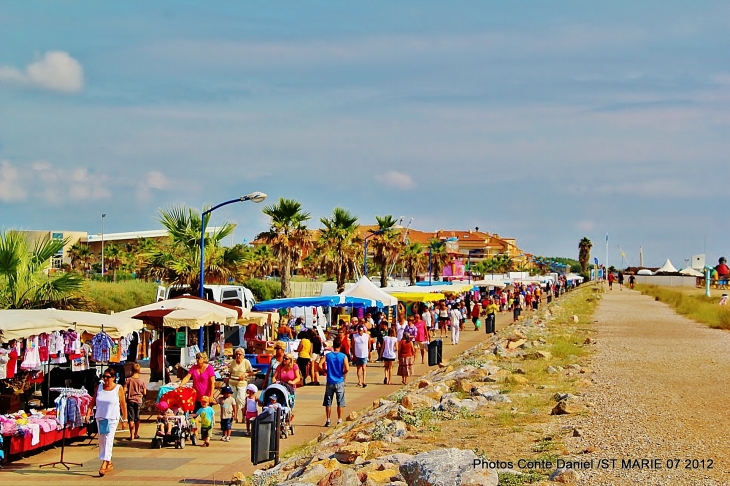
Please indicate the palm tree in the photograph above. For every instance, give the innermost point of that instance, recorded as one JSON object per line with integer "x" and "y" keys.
{"x": 584, "y": 253}
{"x": 338, "y": 248}
{"x": 178, "y": 260}
{"x": 23, "y": 280}
{"x": 262, "y": 261}
{"x": 439, "y": 257}
{"x": 387, "y": 246}
{"x": 114, "y": 259}
{"x": 414, "y": 260}
{"x": 288, "y": 237}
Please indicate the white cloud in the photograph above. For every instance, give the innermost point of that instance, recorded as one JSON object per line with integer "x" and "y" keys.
{"x": 56, "y": 71}
{"x": 396, "y": 179}
{"x": 157, "y": 180}
{"x": 41, "y": 180}
{"x": 10, "y": 189}
{"x": 153, "y": 180}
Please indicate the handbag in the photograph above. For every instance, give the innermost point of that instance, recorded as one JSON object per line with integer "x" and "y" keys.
{"x": 103, "y": 425}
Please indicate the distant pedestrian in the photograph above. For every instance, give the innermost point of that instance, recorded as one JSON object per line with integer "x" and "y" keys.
{"x": 455, "y": 316}
{"x": 390, "y": 353}
{"x": 621, "y": 280}
{"x": 406, "y": 356}
{"x": 361, "y": 349}
{"x": 632, "y": 281}
{"x": 611, "y": 278}
{"x": 422, "y": 339}
{"x": 336, "y": 366}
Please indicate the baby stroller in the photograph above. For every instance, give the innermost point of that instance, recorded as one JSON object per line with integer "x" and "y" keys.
{"x": 183, "y": 426}
{"x": 285, "y": 404}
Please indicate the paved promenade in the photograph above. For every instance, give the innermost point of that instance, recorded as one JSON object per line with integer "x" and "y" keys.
{"x": 136, "y": 463}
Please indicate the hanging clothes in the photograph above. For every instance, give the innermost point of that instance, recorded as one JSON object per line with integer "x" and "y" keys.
{"x": 133, "y": 346}
{"x": 32, "y": 359}
{"x": 4, "y": 360}
{"x": 101, "y": 346}
{"x": 56, "y": 348}
{"x": 115, "y": 353}
{"x": 81, "y": 362}
{"x": 12, "y": 362}
{"x": 43, "y": 347}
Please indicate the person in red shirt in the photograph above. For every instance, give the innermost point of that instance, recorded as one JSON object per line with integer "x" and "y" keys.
{"x": 12, "y": 359}
{"x": 611, "y": 278}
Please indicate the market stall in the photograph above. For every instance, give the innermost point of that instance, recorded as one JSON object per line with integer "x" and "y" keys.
{"x": 46, "y": 350}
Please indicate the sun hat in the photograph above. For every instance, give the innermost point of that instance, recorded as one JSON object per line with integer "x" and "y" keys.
{"x": 279, "y": 345}
{"x": 162, "y": 406}
{"x": 252, "y": 388}
{"x": 273, "y": 397}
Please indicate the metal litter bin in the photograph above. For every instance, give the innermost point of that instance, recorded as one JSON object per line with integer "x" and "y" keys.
{"x": 435, "y": 352}
{"x": 265, "y": 437}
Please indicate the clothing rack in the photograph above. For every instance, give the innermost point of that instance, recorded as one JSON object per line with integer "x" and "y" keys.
{"x": 65, "y": 392}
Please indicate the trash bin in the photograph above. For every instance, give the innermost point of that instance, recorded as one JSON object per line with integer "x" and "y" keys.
{"x": 435, "y": 352}
{"x": 490, "y": 324}
{"x": 265, "y": 437}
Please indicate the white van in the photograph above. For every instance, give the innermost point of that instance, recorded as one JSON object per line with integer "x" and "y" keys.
{"x": 235, "y": 295}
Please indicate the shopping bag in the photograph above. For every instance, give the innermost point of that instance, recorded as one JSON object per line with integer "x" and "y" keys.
{"x": 478, "y": 324}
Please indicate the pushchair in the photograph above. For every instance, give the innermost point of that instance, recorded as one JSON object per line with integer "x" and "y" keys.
{"x": 183, "y": 428}
{"x": 285, "y": 401}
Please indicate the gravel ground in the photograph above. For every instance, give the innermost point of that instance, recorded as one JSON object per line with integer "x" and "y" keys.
{"x": 660, "y": 392}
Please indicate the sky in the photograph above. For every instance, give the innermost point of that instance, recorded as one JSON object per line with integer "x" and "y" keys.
{"x": 545, "y": 121}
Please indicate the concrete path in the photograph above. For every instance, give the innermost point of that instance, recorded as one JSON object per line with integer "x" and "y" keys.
{"x": 136, "y": 463}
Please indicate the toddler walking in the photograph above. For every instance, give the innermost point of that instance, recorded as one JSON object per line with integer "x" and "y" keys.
{"x": 206, "y": 416}
{"x": 227, "y": 404}
{"x": 252, "y": 409}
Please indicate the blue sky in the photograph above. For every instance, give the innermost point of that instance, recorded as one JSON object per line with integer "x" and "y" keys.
{"x": 543, "y": 121}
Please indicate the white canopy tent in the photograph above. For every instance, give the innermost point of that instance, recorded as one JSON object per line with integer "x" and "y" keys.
{"x": 644, "y": 271}
{"x": 366, "y": 289}
{"x": 689, "y": 271}
{"x": 667, "y": 268}
{"x": 22, "y": 323}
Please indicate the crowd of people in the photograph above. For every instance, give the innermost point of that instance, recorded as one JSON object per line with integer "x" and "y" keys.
{"x": 355, "y": 342}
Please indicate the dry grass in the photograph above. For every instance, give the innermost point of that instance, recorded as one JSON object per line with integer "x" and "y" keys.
{"x": 518, "y": 430}
{"x": 692, "y": 303}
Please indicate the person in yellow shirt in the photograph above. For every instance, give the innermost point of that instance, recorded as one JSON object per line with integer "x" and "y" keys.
{"x": 304, "y": 355}
{"x": 490, "y": 325}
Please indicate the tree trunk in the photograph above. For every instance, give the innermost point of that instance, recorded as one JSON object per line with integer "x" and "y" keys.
{"x": 286, "y": 276}
{"x": 411, "y": 275}
{"x": 340, "y": 274}
{"x": 383, "y": 275}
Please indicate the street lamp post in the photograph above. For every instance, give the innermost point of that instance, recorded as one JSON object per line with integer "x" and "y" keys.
{"x": 256, "y": 197}
{"x": 103, "y": 215}
{"x": 365, "y": 250}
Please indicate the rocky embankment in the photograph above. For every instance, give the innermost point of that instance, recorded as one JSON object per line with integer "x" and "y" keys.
{"x": 366, "y": 449}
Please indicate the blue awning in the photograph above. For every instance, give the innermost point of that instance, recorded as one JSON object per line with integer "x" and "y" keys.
{"x": 321, "y": 301}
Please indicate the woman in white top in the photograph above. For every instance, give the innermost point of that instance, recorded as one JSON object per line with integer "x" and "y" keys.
{"x": 110, "y": 407}
{"x": 390, "y": 353}
{"x": 400, "y": 326}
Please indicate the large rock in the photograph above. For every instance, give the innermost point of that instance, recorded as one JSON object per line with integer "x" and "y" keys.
{"x": 383, "y": 476}
{"x": 341, "y": 477}
{"x": 561, "y": 408}
{"x": 446, "y": 467}
{"x": 564, "y": 475}
{"x": 539, "y": 355}
{"x": 349, "y": 453}
{"x": 413, "y": 401}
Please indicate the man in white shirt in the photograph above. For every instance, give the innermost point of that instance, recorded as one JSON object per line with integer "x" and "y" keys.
{"x": 361, "y": 342}
{"x": 455, "y": 316}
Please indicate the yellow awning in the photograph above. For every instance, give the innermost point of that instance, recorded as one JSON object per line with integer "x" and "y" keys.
{"x": 418, "y": 296}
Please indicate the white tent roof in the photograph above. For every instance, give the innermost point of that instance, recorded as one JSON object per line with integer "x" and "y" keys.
{"x": 644, "y": 271}
{"x": 22, "y": 323}
{"x": 366, "y": 289}
{"x": 667, "y": 267}
{"x": 691, "y": 272}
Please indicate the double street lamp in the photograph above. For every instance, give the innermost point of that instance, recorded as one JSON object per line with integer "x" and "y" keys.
{"x": 256, "y": 197}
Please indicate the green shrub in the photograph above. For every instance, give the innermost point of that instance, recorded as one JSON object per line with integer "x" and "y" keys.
{"x": 263, "y": 289}
{"x": 107, "y": 296}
